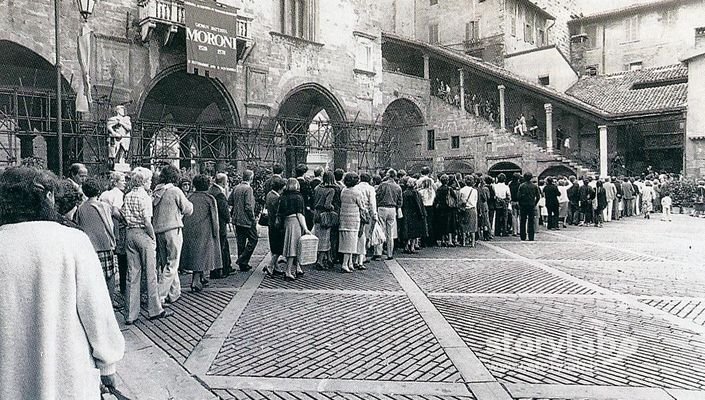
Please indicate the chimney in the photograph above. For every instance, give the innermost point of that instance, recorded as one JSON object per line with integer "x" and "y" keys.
{"x": 578, "y": 46}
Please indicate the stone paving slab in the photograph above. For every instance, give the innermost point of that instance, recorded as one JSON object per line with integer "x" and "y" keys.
{"x": 193, "y": 315}
{"x": 477, "y": 252}
{"x": 272, "y": 395}
{"x": 508, "y": 277}
{"x": 690, "y": 251}
{"x": 376, "y": 277}
{"x": 690, "y": 309}
{"x": 336, "y": 336}
{"x": 557, "y": 251}
{"x": 637, "y": 277}
{"x": 610, "y": 343}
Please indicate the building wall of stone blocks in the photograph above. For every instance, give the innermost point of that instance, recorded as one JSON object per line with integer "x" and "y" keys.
{"x": 664, "y": 36}
{"x": 562, "y": 10}
{"x": 695, "y": 127}
{"x": 547, "y": 62}
{"x": 452, "y": 17}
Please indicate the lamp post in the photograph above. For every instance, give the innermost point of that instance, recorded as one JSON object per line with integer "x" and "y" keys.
{"x": 86, "y": 9}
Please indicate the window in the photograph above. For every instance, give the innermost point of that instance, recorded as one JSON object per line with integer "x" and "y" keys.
{"x": 433, "y": 34}
{"x": 545, "y": 80}
{"x": 455, "y": 142}
{"x": 635, "y": 66}
{"x": 591, "y": 70}
{"x": 431, "y": 139}
{"x": 700, "y": 32}
{"x": 529, "y": 27}
{"x": 540, "y": 37}
{"x": 472, "y": 30}
{"x": 631, "y": 29}
{"x": 513, "y": 18}
{"x": 363, "y": 56}
{"x": 433, "y": 2}
{"x": 669, "y": 17}
{"x": 294, "y": 18}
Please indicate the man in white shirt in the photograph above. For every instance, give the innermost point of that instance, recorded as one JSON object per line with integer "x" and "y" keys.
{"x": 503, "y": 198}
{"x": 611, "y": 192}
{"x": 468, "y": 196}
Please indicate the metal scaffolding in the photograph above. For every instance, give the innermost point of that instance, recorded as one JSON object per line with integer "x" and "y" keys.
{"x": 27, "y": 116}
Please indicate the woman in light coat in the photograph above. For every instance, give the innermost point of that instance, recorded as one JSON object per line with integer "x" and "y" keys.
{"x": 58, "y": 334}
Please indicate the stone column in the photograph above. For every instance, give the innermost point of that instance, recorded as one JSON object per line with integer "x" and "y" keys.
{"x": 549, "y": 127}
{"x": 462, "y": 88}
{"x": 426, "y": 67}
{"x": 502, "y": 115}
{"x": 604, "y": 173}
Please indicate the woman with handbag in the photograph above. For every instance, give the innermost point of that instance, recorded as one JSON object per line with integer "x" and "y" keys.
{"x": 351, "y": 206}
{"x": 325, "y": 208}
{"x": 276, "y": 233}
{"x": 414, "y": 221}
{"x": 291, "y": 217}
{"x": 445, "y": 205}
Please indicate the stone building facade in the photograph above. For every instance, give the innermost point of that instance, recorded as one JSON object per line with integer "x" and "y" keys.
{"x": 640, "y": 36}
{"x": 300, "y": 58}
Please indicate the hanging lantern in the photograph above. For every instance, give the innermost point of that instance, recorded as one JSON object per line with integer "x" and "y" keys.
{"x": 86, "y": 8}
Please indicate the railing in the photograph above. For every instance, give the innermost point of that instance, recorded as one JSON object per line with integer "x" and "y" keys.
{"x": 172, "y": 12}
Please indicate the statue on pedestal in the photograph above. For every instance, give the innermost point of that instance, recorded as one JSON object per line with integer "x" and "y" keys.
{"x": 119, "y": 133}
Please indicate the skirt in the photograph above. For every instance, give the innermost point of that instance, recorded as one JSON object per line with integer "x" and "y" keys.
{"x": 563, "y": 210}
{"x": 472, "y": 220}
{"x": 348, "y": 242}
{"x": 108, "y": 260}
{"x": 292, "y": 234}
{"x": 323, "y": 235}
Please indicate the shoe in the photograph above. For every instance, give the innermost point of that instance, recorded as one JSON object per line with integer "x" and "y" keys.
{"x": 130, "y": 322}
{"x": 164, "y": 314}
{"x": 269, "y": 273}
{"x": 289, "y": 278}
{"x": 346, "y": 270}
{"x": 196, "y": 289}
{"x": 390, "y": 258}
{"x": 216, "y": 274}
{"x": 278, "y": 273}
{"x": 245, "y": 268}
{"x": 377, "y": 258}
{"x": 300, "y": 273}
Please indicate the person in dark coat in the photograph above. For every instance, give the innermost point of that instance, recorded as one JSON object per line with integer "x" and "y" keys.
{"x": 413, "y": 222}
{"x": 587, "y": 193}
{"x": 218, "y": 190}
{"x": 445, "y": 206}
{"x": 276, "y": 233}
{"x": 601, "y": 196}
{"x": 551, "y": 193}
{"x": 574, "y": 202}
{"x": 201, "y": 252}
{"x": 529, "y": 196}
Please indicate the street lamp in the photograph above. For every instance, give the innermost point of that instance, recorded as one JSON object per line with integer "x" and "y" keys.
{"x": 86, "y": 9}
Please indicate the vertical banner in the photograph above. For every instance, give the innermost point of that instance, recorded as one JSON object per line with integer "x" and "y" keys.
{"x": 83, "y": 95}
{"x": 211, "y": 43}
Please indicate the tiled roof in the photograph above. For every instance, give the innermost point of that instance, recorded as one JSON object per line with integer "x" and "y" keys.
{"x": 631, "y": 9}
{"x": 634, "y": 92}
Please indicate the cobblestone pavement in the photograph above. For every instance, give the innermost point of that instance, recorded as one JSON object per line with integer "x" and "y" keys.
{"x": 582, "y": 313}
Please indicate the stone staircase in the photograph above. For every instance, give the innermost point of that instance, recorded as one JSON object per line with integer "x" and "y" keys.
{"x": 506, "y": 146}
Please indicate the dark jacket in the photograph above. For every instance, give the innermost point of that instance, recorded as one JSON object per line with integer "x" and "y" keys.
{"x": 586, "y": 194}
{"x": 528, "y": 194}
{"x": 389, "y": 194}
{"x": 574, "y": 195}
{"x": 601, "y": 195}
{"x": 242, "y": 201}
{"x": 552, "y": 194}
{"x": 223, "y": 212}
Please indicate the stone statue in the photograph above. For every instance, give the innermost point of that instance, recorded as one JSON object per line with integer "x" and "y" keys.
{"x": 119, "y": 133}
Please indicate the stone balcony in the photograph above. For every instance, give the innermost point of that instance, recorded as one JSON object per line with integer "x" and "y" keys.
{"x": 169, "y": 16}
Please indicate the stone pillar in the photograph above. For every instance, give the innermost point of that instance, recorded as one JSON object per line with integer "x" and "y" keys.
{"x": 549, "y": 127}
{"x": 604, "y": 173}
{"x": 502, "y": 114}
{"x": 462, "y": 88}
{"x": 426, "y": 67}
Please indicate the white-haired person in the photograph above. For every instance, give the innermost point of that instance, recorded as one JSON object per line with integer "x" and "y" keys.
{"x": 141, "y": 245}
{"x": 115, "y": 197}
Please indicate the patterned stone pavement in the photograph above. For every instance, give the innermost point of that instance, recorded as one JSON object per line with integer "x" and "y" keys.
{"x": 582, "y": 313}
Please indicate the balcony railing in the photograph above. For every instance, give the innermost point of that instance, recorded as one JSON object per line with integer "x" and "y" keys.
{"x": 171, "y": 14}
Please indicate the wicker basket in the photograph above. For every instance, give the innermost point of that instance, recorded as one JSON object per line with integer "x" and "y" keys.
{"x": 308, "y": 249}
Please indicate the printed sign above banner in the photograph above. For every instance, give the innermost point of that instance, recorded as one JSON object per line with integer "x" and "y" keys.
{"x": 211, "y": 44}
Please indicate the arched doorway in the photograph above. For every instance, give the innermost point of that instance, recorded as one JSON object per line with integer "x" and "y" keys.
{"x": 454, "y": 167}
{"x": 504, "y": 167}
{"x": 404, "y": 127}
{"x": 555, "y": 171}
{"x": 28, "y": 110}
{"x": 310, "y": 120}
{"x": 185, "y": 120}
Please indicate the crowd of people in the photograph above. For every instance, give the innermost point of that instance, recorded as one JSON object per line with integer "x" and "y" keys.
{"x": 176, "y": 224}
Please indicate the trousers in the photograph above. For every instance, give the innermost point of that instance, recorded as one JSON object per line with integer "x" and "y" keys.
{"x": 141, "y": 259}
